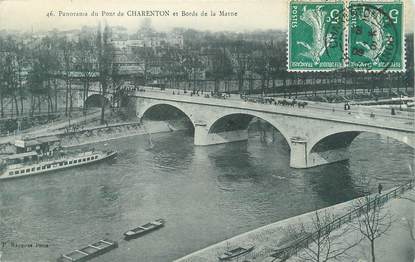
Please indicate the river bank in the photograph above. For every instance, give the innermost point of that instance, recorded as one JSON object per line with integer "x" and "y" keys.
{"x": 104, "y": 133}
{"x": 107, "y": 133}
{"x": 398, "y": 244}
{"x": 267, "y": 238}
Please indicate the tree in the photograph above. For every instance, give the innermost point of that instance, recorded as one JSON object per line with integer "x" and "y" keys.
{"x": 67, "y": 58}
{"x": 47, "y": 58}
{"x": 241, "y": 50}
{"x": 171, "y": 65}
{"x": 145, "y": 56}
{"x": 12, "y": 73}
{"x": 36, "y": 80}
{"x": 20, "y": 59}
{"x": 374, "y": 221}
{"x": 10, "y": 76}
{"x": 117, "y": 84}
{"x": 262, "y": 63}
{"x": 86, "y": 63}
{"x": 191, "y": 63}
{"x": 409, "y": 220}
{"x": 105, "y": 58}
{"x": 325, "y": 239}
{"x": 221, "y": 64}
{"x": 2, "y": 76}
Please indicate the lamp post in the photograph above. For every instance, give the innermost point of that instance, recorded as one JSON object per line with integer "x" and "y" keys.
{"x": 400, "y": 102}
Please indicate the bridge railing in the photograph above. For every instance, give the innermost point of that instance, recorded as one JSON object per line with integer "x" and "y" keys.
{"x": 370, "y": 116}
{"x": 376, "y": 114}
{"x": 297, "y": 245}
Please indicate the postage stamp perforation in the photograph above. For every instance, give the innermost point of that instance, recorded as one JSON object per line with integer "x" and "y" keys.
{"x": 287, "y": 51}
{"x": 382, "y": 47}
{"x": 320, "y": 38}
{"x": 361, "y": 45}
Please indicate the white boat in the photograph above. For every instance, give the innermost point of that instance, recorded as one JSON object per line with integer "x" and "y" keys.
{"x": 43, "y": 166}
{"x": 43, "y": 155}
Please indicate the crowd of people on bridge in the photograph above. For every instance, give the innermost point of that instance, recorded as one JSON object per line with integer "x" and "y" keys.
{"x": 198, "y": 92}
{"x": 260, "y": 99}
{"x": 245, "y": 98}
{"x": 273, "y": 101}
{"x": 257, "y": 99}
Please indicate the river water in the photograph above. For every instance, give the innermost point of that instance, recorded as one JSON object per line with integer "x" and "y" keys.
{"x": 206, "y": 194}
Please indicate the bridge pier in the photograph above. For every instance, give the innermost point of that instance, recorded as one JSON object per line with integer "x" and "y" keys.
{"x": 298, "y": 153}
{"x": 299, "y": 158}
{"x": 202, "y": 137}
{"x": 315, "y": 137}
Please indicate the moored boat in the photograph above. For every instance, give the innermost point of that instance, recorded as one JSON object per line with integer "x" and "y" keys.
{"x": 236, "y": 252}
{"x": 146, "y": 228}
{"x": 37, "y": 157}
{"x": 89, "y": 252}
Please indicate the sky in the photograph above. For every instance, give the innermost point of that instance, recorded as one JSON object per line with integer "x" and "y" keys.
{"x": 27, "y": 15}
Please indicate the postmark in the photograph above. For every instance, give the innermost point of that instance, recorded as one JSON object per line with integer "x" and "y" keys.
{"x": 315, "y": 36}
{"x": 375, "y": 36}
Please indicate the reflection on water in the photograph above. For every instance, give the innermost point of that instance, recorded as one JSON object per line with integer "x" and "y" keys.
{"x": 206, "y": 194}
{"x": 334, "y": 183}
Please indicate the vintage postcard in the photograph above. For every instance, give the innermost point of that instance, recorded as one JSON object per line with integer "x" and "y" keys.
{"x": 207, "y": 130}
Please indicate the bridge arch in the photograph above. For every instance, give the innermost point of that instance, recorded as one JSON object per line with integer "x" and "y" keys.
{"x": 240, "y": 121}
{"x": 96, "y": 100}
{"x": 313, "y": 139}
{"x": 343, "y": 137}
{"x": 165, "y": 105}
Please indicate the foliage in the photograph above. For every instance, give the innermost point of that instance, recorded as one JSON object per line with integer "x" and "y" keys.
{"x": 326, "y": 243}
{"x": 374, "y": 221}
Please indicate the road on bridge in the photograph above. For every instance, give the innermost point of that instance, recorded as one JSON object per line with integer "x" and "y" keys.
{"x": 359, "y": 115}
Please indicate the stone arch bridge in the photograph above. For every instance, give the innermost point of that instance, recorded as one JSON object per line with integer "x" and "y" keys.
{"x": 318, "y": 134}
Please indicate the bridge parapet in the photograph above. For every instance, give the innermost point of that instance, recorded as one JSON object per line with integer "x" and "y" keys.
{"x": 361, "y": 115}
{"x": 303, "y": 128}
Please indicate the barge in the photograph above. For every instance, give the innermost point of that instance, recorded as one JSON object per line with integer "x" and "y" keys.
{"x": 144, "y": 229}
{"x": 89, "y": 252}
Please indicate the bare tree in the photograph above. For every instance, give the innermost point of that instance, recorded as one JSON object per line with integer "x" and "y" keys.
{"x": 409, "y": 222}
{"x": 117, "y": 84}
{"x": 67, "y": 56}
{"x": 35, "y": 84}
{"x": 221, "y": 65}
{"x": 410, "y": 225}
{"x": 105, "y": 58}
{"x": 20, "y": 59}
{"x": 171, "y": 65}
{"x": 11, "y": 73}
{"x": 47, "y": 55}
{"x": 11, "y": 80}
{"x": 43, "y": 64}
{"x": 374, "y": 220}
{"x": 3, "y": 53}
{"x": 191, "y": 63}
{"x": 241, "y": 50}
{"x": 86, "y": 61}
{"x": 325, "y": 238}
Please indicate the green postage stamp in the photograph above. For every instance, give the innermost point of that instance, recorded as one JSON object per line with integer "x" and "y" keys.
{"x": 376, "y": 40}
{"x": 359, "y": 35}
{"x": 315, "y": 36}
